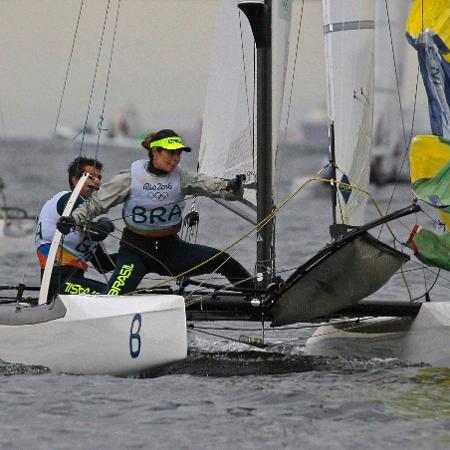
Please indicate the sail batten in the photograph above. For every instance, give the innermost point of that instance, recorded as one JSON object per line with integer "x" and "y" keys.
{"x": 348, "y": 26}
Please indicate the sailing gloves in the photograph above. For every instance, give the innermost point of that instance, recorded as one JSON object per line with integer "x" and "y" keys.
{"x": 98, "y": 230}
{"x": 65, "y": 224}
{"x": 235, "y": 184}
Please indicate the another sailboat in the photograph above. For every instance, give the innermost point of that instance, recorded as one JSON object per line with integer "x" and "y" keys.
{"x": 423, "y": 334}
{"x": 355, "y": 265}
{"x": 390, "y": 59}
{"x": 107, "y": 140}
{"x": 14, "y": 221}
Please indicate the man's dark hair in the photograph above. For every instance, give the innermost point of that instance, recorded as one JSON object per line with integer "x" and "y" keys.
{"x": 77, "y": 166}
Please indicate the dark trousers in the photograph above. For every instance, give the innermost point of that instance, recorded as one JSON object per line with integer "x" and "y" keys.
{"x": 168, "y": 256}
{"x": 71, "y": 280}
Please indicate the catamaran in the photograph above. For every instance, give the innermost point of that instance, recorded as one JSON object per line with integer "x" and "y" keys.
{"x": 240, "y": 136}
{"x": 84, "y": 334}
{"x": 355, "y": 264}
{"x": 423, "y": 333}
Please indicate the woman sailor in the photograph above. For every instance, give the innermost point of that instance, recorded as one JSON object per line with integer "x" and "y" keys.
{"x": 152, "y": 192}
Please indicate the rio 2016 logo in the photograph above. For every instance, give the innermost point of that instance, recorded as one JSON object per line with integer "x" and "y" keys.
{"x": 157, "y": 187}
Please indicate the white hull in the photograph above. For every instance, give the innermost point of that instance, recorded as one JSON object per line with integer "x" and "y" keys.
{"x": 118, "y": 141}
{"x": 124, "y": 335}
{"x": 423, "y": 339}
{"x": 16, "y": 228}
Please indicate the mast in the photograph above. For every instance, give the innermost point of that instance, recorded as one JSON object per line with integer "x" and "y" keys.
{"x": 258, "y": 13}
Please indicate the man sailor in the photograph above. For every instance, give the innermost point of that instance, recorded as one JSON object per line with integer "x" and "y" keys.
{"x": 152, "y": 192}
{"x": 77, "y": 248}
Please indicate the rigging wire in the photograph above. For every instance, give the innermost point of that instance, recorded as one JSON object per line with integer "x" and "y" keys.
{"x": 108, "y": 76}
{"x": 63, "y": 91}
{"x": 345, "y": 324}
{"x": 404, "y": 157}
{"x": 69, "y": 63}
{"x": 2, "y": 122}
{"x": 291, "y": 87}
{"x": 257, "y": 227}
{"x": 142, "y": 252}
{"x": 94, "y": 79}
{"x": 263, "y": 222}
{"x": 406, "y": 141}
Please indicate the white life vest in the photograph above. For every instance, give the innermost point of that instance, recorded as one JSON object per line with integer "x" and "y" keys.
{"x": 75, "y": 249}
{"x": 155, "y": 204}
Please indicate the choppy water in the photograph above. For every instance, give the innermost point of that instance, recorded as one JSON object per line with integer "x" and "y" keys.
{"x": 224, "y": 395}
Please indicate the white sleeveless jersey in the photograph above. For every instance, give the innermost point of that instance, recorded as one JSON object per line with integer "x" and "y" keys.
{"x": 75, "y": 251}
{"x": 155, "y": 204}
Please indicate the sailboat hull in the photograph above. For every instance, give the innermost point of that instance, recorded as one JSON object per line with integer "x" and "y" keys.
{"x": 122, "y": 336}
{"x": 423, "y": 339}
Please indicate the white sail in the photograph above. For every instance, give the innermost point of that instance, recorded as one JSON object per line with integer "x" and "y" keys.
{"x": 349, "y": 40}
{"x": 281, "y": 27}
{"x": 228, "y": 143}
{"x": 390, "y": 46}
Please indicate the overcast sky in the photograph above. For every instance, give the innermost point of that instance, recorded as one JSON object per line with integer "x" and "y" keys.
{"x": 160, "y": 65}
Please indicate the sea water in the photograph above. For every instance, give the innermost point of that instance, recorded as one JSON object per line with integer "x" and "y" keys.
{"x": 226, "y": 394}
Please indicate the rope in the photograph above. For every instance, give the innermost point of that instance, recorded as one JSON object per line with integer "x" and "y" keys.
{"x": 264, "y": 222}
{"x": 405, "y": 140}
{"x": 143, "y": 252}
{"x": 261, "y": 224}
{"x": 347, "y": 324}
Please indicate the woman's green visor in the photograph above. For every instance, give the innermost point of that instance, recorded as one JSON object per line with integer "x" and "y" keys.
{"x": 170, "y": 143}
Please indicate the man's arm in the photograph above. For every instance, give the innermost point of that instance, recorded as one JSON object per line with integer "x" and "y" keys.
{"x": 62, "y": 202}
{"x": 110, "y": 194}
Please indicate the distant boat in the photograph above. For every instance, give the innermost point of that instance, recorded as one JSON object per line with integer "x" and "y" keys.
{"x": 106, "y": 139}
{"x": 413, "y": 331}
{"x": 14, "y": 221}
{"x": 389, "y": 144}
